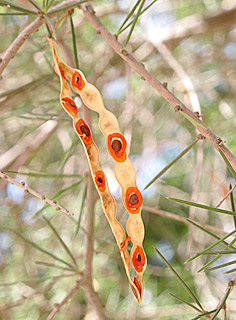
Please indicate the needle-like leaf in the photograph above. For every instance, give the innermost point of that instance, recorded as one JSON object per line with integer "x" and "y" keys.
{"x": 184, "y": 301}
{"x": 49, "y": 4}
{"x": 129, "y": 24}
{"x": 219, "y": 252}
{"x": 222, "y": 265}
{"x": 74, "y": 42}
{"x": 222, "y": 304}
{"x": 16, "y": 6}
{"x": 216, "y": 258}
{"x": 134, "y": 23}
{"x": 180, "y": 279}
{"x": 202, "y": 206}
{"x": 84, "y": 195}
{"x": 211, "y": 246}
{"x": 128, "y": 16}
{"x": 52, "y": 35}
{"x": 43, "y": 174}
{"x": 171, "y": 164}
{"x": 203, "y": 314}
{"x": 67, "y": 250}
{"x": 52, "y": 265}
{"x": 191, "y": 119}
{"x": 13, "y": 14}
{"x": 228, "y": 164}
{"x": 232, "y": 203}
{"x": 230, "y": 271}
{"x": 35, "y": 5}
{"x": 209, "y": 232}
{"x": 67, "y": 7}
{"x": 41, "y": 249}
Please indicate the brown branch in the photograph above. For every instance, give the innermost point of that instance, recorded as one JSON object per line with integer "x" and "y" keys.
{"x": 93, "y": 300}
{"x": 58, "y": 306}
{"x": 36, "y": 194}
{"x": 173, "y": 216}
{"x": 26, "y": 33}
{"x": 156, "y": 84}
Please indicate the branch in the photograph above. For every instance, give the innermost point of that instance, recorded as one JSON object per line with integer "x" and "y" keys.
{"x": 156, "y": 84}
{"x": 26, "y": 33}
{"x": 93, "y": 300}
{"x": 34, "y": 193}
{"x": 58, "y": 306}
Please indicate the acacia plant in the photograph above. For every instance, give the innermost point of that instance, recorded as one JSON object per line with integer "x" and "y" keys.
{"x": 160, "y": 77}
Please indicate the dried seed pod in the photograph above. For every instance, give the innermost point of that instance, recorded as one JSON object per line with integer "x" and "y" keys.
{"x": 124, "y": 170}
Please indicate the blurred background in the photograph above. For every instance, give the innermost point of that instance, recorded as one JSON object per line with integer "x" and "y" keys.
{"x": 191, "y": 46}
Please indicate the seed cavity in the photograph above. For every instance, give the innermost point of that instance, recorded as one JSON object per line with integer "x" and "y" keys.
{"x": 85, "y": 130}
{"x": 116, "y": 145}
{"x": 133, "y": 199}
{"x": 71, "y": 104}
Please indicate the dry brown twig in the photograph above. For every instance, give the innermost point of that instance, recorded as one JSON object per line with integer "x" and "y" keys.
{"x": 36, "y": 194}
{"x": 226, "y": 196}
{"x": 156, "y": 84}
{"x": 58, "y": 306}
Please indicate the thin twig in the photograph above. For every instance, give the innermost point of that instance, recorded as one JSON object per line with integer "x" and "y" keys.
{"x": 58, "y": 306}
{"x": 226, "y": 196}
{"x": 156, "y": 84}
{"x": 36, "y": 194}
